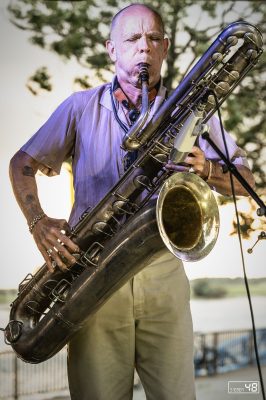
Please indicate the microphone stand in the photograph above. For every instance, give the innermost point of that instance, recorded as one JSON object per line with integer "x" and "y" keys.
{"x": 261, "y": 211}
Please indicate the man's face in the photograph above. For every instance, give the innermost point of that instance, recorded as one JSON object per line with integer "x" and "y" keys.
{"x": 137, "y": 38}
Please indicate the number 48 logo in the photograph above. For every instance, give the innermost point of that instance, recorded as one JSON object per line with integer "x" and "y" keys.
{"x": 252, "y": 387}
{"x": 238, "y": 387}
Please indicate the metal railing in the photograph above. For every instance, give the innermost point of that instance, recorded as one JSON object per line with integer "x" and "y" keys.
{"x": 215, "y": 352}
{"x": 220, "y": 352}
{"x": 19, "y": 379}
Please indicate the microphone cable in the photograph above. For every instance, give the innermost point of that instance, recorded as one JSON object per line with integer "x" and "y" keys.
{"x": 241, "y": 251}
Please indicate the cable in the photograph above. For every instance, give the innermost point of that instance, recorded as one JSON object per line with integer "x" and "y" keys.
{"x": 122, "y": 125}
{"x": 242, "y": 255}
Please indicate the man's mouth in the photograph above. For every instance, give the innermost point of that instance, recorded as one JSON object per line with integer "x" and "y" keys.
{"x": 143, "y": 64}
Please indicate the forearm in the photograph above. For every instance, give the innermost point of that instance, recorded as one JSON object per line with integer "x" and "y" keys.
{"x": 213, "y": 174}
{"x": 22, "y": 172}
{"x": 221, "y": 181}
{"x": 49, "y": 233}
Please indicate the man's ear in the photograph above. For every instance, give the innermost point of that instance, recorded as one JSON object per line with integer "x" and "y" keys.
{"x": 110, "y": 46}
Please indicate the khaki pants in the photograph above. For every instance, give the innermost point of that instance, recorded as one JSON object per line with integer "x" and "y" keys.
{"x": 146, "y": 324}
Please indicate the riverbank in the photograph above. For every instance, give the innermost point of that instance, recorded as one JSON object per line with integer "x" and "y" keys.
{"x": 226, "y": 287}
{"x": 200, "y": 288}
{"x": 208, "y": 315}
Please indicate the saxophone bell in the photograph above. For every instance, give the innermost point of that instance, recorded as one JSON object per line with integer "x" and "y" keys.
{"x": 187, "y": 216}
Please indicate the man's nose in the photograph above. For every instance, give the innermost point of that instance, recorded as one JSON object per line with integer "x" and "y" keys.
{"x": 144, "y": 44}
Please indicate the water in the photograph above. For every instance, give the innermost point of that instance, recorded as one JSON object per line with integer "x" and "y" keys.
{"x": 227, "y": 314}
{"x": 208, "y": 315}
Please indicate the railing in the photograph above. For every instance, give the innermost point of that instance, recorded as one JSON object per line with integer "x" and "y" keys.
{"x": 220, "y": 352}
{"x": 214, "y": 353}
{"x": 19, "y": 380}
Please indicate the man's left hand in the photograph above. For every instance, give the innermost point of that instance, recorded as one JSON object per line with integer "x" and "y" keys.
{"x": 194, "y": 162}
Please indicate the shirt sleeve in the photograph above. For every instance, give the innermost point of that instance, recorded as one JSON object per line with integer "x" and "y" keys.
{"x": 236, "y": 154}
{"x": 54, "y": 142}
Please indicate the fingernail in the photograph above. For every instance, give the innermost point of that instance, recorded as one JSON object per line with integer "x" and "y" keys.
{"x": 73, "y": 260}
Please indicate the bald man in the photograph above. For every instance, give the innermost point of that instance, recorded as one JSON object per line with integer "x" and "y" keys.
{"x": 147, "y": 323}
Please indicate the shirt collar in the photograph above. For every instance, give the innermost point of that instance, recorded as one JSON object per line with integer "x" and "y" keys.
{"x": 106, "y": 97}
{"x": 121, "y": 97}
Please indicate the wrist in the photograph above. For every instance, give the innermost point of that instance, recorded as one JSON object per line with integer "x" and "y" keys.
{"x": 35, "y": 220}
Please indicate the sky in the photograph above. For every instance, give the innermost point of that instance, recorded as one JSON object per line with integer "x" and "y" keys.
{"x": 21, "y": 115}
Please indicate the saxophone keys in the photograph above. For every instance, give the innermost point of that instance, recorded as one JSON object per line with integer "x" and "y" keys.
{"x": 251, "y": 54}
{"x": 232, "y": 40}
{"x": 217, "y": 57}
{"x": 222, "y": 88}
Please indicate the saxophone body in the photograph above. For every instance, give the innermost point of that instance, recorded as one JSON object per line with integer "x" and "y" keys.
{"x": 129, "y": 227}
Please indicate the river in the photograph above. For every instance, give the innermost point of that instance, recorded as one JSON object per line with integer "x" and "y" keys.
{"x": 208, "y": 315}
{"x": 227, "y": 314}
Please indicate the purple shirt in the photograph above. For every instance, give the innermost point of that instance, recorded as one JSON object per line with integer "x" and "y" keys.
{"x": 84, "y": 127}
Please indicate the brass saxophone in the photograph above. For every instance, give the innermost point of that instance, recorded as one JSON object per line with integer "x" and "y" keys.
{"x": 121, "y": 234}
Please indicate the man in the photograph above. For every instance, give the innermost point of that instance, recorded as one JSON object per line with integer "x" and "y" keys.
{"x": 147, "y": 323}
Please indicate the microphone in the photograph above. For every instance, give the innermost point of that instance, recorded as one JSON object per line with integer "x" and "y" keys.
{"x": 133, "y": 115}
{"x": 126, "y": 104}
{"x": 186, "y": 137}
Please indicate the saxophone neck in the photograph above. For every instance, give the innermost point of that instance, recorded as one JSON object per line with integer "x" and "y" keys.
{"x": 131, "y": 140}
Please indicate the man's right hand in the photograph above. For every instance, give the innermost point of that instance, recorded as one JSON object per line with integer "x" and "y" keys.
{"x": 50, "y": 234}
{"x": 51, "y": 238}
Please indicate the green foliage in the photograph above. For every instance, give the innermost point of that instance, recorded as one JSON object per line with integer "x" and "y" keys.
{"x": 203, "y": 288}
{"x": 41, "y": 78}
{"x": 79, "y": 29}
{"x": 67, "y": 28}
{"x": 7, "y": 295}
{"x": 83, "y": 82}
{"x": 209, "y": 287}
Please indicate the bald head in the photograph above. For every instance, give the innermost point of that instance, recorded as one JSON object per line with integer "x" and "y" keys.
{"x": 137, "y": 37}
{"x": 132, "y": 8}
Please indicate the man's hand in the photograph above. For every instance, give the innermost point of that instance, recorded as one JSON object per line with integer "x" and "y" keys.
{"x": 195, "y": 162}
{"x": 213, "y": 173}
{"x": 50, "y": 234}
{"x": 50, "y": 237}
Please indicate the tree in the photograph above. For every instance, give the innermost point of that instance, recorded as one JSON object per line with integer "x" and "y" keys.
{"x": 78, "y": 29}
{"x": 207, "y": 289}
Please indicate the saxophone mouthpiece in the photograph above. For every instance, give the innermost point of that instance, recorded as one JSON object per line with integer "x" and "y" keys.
{"x": 143, "y": 72}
